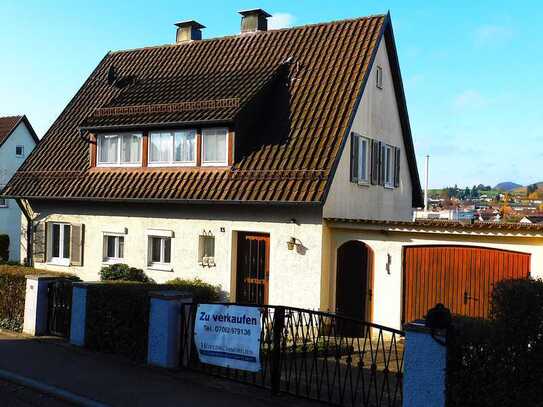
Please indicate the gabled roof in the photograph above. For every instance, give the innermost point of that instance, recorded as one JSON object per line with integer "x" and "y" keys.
{"x": 9, "y": 124}
{"x": 326, "y": 69}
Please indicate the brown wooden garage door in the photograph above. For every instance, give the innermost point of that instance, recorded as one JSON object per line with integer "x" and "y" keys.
{"x": 459, "y": 277}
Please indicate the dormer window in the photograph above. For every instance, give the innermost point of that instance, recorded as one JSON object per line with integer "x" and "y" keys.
{"x": 172, "y": 148}
{"x": 119, "y": 149}
{"x": 192, "y": 147}
{"x": 215, "y": 146}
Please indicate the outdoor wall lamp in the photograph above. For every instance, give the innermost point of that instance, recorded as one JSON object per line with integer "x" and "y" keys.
{"x": 294, "y": 243}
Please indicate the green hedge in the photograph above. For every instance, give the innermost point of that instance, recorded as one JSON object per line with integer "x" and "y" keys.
{"x": 123, "y": 272}
{"x": 12, "y": 294}
{"x": 118, "y": 314}
{"x": 499, "y": 362}
{"x": 4, "y": 247}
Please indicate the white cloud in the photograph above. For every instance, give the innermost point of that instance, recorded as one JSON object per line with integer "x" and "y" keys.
{"x": 281, "y": 20}
{"x": 470, "y": 99}
{"x": 492, "y": 34}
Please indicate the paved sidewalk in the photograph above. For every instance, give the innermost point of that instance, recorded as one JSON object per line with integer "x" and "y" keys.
{"x": 14, "y": 395}
{"x": 115, "y": 381}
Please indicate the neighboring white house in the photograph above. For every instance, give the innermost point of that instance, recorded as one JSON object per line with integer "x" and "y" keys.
{"x": 257, "y": 161}
{"x": 17, "y": 140}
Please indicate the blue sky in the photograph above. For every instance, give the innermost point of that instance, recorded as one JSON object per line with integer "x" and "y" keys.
{"x": 471, "y": 69}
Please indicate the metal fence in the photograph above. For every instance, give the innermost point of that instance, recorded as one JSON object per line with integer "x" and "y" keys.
{"x": 316, "y": 355}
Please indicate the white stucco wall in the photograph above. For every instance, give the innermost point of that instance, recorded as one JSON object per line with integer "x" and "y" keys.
{"x": 377, "y": 118}
{"x": 10, "y": 217}
{"x": 387, "y": 288}
{"x": 294, "y": 277}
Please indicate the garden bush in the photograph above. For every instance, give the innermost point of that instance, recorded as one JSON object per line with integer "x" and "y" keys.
{"x": 12, "y": 294}
{"x": 499, "y": 361}
{"x": 4, "y": 248}
{"x": 201, "y": 291}
{"x": 123, "y": 272}
{"x": 118, "y": 314}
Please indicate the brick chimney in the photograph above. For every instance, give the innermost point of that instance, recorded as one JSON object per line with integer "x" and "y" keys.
{"x": 189, "y": 31}
{"x": 254, "y": 20}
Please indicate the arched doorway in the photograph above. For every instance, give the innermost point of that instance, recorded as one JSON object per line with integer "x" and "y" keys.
{"x": 353, "y": 280}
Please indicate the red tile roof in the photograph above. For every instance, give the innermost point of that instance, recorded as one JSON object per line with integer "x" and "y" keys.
{"x": 7, "y": 125}
{"x": 447, "y": 224}
{"x": 327, "y": 68}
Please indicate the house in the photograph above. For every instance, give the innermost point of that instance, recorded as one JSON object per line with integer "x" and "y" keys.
{"x": 532, "y": 219}
{"x": 17, "y": 140}
{"x": 278, "y": 164}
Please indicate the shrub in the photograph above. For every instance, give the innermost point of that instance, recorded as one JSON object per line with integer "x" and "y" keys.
{"x": 4, "y": 247}
{"x": 201, "y": 291}
{"x": 12, "y": 294}
{"x": 118, "y": 313}
{"x": 499, "y": 361}
{"x": 123, "y": 272}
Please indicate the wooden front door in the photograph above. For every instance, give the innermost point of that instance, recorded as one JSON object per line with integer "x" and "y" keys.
{"x": 460, "y": 277}
{"x": 353, "y": 291}
{"x": 253, "y": 269}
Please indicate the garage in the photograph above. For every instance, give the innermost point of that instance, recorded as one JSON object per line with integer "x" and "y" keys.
{"x": 460, "y": 277}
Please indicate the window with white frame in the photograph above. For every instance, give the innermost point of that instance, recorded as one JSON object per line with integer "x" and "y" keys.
{"x": 215, "y": 146}
{"x": 119, "y": 149}
{"x": 388, "y": 163}
{"x": 113, "y": 248}
{"x": 59, "y": 243}
{"x": 363, "y": 160}
{"x": 160, "y": 251}
{"x": 173, "y": 148}
{"x": 206, "y": 251}
{"x": 19, "y": 151}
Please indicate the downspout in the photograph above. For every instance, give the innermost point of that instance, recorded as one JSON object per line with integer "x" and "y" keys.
{"x": 29, "y": 234}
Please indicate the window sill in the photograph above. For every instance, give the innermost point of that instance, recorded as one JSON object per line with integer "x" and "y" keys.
{"x": 159, "y": 165}
{"x": 59, "y": 262}
{"x": 389, "y": 186}
{"x": 112, "y": 261}
{"x": 160, "y": 267}
{"x": 106, "y": 165}
{"x": 364, "y": 184}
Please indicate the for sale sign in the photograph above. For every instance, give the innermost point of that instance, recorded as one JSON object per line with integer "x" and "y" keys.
{"x": 228, "y": 336}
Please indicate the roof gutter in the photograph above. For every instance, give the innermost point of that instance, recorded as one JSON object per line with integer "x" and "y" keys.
{"x": 169, "y": 201}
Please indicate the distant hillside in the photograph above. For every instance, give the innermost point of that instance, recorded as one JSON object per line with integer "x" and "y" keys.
{"x": 507, "y": 186}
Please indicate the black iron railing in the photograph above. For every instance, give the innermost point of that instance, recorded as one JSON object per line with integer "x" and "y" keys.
{"x": 316, "y": 355}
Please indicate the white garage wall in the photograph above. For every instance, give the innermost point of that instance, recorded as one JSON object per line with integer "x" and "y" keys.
{"x": 387, "y": 289}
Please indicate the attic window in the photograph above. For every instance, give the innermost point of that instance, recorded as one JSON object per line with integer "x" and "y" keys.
{"x": 119, "y": 149}
{"x": 173, "y": 148}
{"x": 379, "y": 77}
{"x": 19, "y": 151}
{"x": 215, "y": 146}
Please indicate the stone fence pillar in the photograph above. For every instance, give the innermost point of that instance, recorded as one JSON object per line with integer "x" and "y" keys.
{"x": 37, "y": 304}
{"x": 425, "y": 358}
{"x": 165, "y": 327}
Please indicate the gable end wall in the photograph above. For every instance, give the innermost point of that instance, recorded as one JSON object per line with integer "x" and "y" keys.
{"x": 377, "y": 118}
